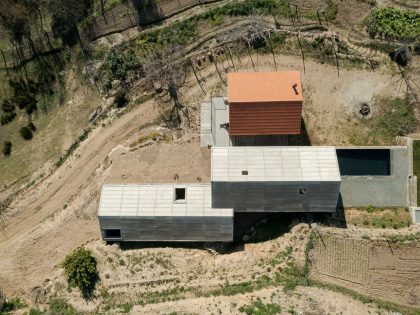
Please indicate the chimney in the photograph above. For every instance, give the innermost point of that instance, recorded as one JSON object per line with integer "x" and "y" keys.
{"x": 295, "y": 88}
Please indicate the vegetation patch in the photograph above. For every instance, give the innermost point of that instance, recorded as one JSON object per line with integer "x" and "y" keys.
{"x": 395, "y": 23}
{"x": 378, "y": 217}
{"x": 416, "y": 166}
{"x": 403, "y": 238}
{"x": 80, "y": 269}
{"x": 7, "y": 148}
{"x": 72, "y": 148}
{"x": 11, "y": 305}
{"x": 257, "y": 307}
{"x": 186, "y": 31}
{"x": 118, "y": 65}
{"x": 394, "y": 117}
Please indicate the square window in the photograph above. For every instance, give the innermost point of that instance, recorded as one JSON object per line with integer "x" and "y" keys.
{"x": 303, "y": 191}
{"x": 179, "y": 194}
{"x": 112, "y": 233}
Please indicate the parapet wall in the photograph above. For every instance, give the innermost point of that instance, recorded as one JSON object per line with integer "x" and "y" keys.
{"x": 387, "y": 191}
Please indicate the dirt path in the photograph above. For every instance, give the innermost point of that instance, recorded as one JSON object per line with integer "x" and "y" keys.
{"x": 65, "y": 184}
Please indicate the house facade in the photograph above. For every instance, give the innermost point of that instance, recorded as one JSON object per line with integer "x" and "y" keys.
{"x": 254, "y": 170}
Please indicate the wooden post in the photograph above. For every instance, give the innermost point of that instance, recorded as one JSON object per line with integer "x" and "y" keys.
{"x": 319, "y": 18}
{"x": 250, "y": 56}
{"x": 231, "y": 58}
{"x": 217, "y": 69}
{"x": 301, "y": 50}
{"x": 128, "y": 13}
{"x": 272, "y": 52}
{"x": 113, "y": 17}
{"x": 196, "y": 77}
{"x": 326, "y": 19}
{"x": 5, "y": 63}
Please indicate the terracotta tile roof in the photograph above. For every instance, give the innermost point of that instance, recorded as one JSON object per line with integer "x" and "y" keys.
{"x": 264, "y": 103}
{"x": 264, "y": 86}
{"x": 265, "y": 118}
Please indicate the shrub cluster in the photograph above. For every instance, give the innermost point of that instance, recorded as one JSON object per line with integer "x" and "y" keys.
{"x": 394, "y": 23}
{"x": 397, "y": 119}
{"x": 80, "y": 269}
{"x": 7, "y": 148}
{"x": 118, "y": 65}
{"x": 23, "y": 96}
{"x": 26, "y": 133}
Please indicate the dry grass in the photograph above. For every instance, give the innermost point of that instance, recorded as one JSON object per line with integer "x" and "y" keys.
{"x": 382, "y": 218}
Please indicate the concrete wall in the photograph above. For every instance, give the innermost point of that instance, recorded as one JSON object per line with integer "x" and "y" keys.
{"x": 393, "y": 191}
{"x": 179, "y": 228}
{"x": 275, "y": 196}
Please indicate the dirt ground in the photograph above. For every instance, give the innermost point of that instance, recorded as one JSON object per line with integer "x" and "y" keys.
{"x": 58, "y": 213}
{"x": 375, "y": 267}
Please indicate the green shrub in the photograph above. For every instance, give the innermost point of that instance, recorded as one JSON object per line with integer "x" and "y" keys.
{"x": 394, "y": 23}
{"x": 11, "y": 305}
{"x": 118, "y": 65}
{"x": 8, "y": 106}
{"x": 60, "y": 307}
{"x": 35, "y": 311}
{"x": 31, "y": 126}
{"x": 121, "y": 98}
{"x": 397, "y": 119}
{"x": 7, "y": 118}
{"x": 26, "y": 133}
{"x": 257, "y": 307}
{"x": 80, "y": 269}
{"x": 7, "y": 148}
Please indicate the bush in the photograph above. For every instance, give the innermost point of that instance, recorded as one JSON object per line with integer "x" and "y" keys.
{"x": 60, "y": 307}
{"x": 119, "y": 64}
{"x": 80, "y": 268}
{"x": 394, "y": 23}
{"x": 257, "y": 307}
{"x": 7, "y": 148}
{"x": 10, "y": 305}
{"x": 121, "y": 98}
{"x": 26, "y": 133}
{"x": 32, "y": 126}
{"x": 397, "y": 119}
{"x": 7, "y": 118}
{"x": 2, "y": 300}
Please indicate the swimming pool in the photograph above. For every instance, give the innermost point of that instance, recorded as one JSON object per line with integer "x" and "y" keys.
{"x": 364, "y": 162}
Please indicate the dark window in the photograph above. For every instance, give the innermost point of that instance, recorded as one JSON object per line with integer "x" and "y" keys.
{"x": 112, "y": 233}
{"x": 179, "y": 194}
{"x": 303, "y": 191}
{"x": 244, "y": 172}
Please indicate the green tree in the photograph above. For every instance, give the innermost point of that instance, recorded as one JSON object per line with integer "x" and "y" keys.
{"x": 65, "y": 16}
{"x": 7, "y": 148}
{"x": 26, "y": 133}
{"x": 81, "y": 272}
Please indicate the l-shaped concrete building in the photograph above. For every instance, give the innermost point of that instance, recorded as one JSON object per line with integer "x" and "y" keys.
{"x": 254, "y": 170}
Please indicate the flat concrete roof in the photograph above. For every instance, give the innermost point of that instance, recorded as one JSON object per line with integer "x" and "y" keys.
{"x": 274, "y": 164}
{"x": 158, "y": 200}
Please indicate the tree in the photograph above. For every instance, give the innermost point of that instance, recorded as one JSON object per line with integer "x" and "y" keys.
{"x": 161, "y": 70}
{"x": 7, "y": 149}
{"x": 26, "y": 133}
{"x": 81, "y": 272}
{"x": 65, "y": 16}
{"x": 14, "y": 17}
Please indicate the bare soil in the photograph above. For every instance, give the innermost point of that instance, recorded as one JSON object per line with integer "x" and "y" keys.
{"x": 58, "y": 213}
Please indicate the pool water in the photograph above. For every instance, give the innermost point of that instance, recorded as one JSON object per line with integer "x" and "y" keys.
{"x": 364, "y": 162}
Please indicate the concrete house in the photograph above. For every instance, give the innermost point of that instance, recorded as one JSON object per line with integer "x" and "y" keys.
{"x": 254, "y": 170}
